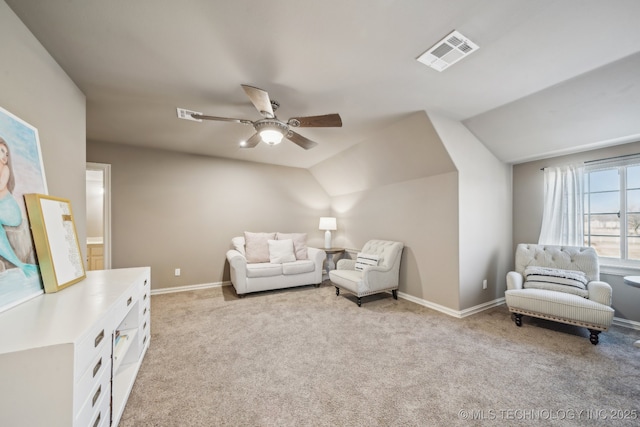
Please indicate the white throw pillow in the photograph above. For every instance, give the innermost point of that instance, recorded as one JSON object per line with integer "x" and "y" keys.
{"x": 299, "y": 243}
{"x": 364, "y": 260}
{"x": 281, "y": 251}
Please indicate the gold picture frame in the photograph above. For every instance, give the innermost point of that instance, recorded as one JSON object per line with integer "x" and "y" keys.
{"x": 56, "y": 241}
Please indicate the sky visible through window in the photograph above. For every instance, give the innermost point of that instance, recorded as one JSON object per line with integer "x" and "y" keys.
{"x": 603, "y": 193}
{"x": 606, "y": 185}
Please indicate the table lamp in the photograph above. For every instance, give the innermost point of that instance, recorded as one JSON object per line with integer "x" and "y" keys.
{"x": 328, "y": 224}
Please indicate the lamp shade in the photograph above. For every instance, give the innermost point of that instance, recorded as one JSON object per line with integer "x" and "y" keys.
{"x": 327, "y": 223}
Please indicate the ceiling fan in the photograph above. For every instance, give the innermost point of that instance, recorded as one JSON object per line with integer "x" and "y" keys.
{"x": 270, "y": 129}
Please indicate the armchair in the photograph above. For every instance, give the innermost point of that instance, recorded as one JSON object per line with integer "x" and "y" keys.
{"x": 538, "y": 287}
{"x": 377, "y": 269}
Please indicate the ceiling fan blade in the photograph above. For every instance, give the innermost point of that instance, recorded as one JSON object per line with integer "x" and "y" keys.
{"x": 253, "y": 141}
{"x": 260, "y": 100}
{"x": 221, "y": 119}
{"x": 327, "y": 120}
{"x": 300, "y": 140}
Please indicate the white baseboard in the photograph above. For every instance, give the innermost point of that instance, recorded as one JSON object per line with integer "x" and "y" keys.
{"x": 631, "y": 324}
{"x": 188, "y": 288}
{"x": 446, "y": 310}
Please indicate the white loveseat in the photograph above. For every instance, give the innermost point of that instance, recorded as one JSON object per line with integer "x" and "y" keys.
{"x": 254, "y": 270}
{"x": 533, "y": 289}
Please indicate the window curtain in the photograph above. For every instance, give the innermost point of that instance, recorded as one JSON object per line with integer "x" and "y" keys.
{"x": 562, "y": 219}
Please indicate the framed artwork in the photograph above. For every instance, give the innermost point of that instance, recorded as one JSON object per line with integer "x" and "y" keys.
{"x": 56, "y": 240}
{"x": 21, "y": 172}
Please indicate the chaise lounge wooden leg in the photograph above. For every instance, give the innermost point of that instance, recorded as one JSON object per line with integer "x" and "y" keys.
{"x": 594, "y": 336}
{"x": 337, "y": 291}
{"x": 359, "y": 302}
{"x": 394, "y": 292}
{"x": 517, "y": 317}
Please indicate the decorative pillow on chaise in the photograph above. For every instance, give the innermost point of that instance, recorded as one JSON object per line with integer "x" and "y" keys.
{"x": 555, "y": 279}
{"x": 281, "y": 251}
{"x": 256, "y": 246}
{"x": 363, "y": 260}
{"x": 299, "y": 243}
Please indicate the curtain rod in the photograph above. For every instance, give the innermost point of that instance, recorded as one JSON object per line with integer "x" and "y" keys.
{"x": 605, "y": 159}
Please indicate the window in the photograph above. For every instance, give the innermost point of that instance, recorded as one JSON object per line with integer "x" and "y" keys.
{"x": 612, "y": 209}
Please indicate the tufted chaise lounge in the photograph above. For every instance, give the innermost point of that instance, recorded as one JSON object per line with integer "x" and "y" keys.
{"x": 593, "y": 311}
{"x": 372, "y": 279}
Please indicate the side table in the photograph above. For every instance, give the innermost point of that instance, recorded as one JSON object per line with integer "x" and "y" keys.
{"x": 331, "y": 252}
{"x": 635, "y": 282}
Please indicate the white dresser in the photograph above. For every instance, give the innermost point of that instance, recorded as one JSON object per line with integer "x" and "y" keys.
{"x": 71, "y": 358}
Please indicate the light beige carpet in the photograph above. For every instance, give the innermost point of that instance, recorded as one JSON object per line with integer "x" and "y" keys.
{"x": 304, "y": 357}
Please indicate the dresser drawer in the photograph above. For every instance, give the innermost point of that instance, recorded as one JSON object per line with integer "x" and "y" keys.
{"x": 100, "y": 392}
{"x": 125, "y": 316}
{"x": 102, "y": 416}
{"x": 93, "y": 375}
{"x": 90, "y": 346}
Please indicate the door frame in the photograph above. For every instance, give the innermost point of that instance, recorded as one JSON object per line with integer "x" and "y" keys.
{"x": 106, "y": 208}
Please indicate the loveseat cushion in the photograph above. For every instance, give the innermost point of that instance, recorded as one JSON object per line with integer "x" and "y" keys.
{"x": 264, "y": 269}
{"x": 298, "y": 267}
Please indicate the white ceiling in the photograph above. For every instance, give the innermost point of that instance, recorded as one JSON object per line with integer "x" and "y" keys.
{"x": 548, "y": 72}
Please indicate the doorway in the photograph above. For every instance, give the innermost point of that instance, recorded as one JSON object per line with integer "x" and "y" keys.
{"x": 98, "y": 184}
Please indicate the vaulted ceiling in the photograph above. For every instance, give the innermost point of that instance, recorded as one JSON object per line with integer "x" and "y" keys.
{"x": 550, "y": 76}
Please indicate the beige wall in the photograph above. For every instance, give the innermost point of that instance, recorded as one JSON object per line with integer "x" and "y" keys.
{"x": 401, "y": 185}
{"x": 484, "y": 214}
{"x": 36, "y": 89}
{"x": 421, "y": 214}
{"x": 173, "y": 210}
{"x": 528, "y": 201}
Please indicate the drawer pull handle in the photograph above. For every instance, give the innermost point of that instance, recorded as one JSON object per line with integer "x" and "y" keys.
{"x": 95, "y": 396}
{"x": 145, "y": 311}
{"x": 97, "y": 421}
{"x": 144, "y": 326}
{"x": 129, "y": 301}
{"x": 97, "y": 367}
{"x": 144, "y": 341}
{"x": 99, "y": 338}
{"x": 145, "y": 282}
{"x": 145, "y": 297}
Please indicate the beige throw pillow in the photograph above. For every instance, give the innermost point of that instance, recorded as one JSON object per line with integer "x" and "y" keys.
{"x": 256, "y": 246}
{"x": 299, "y": 243}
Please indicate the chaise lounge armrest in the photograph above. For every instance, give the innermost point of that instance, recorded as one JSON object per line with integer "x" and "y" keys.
{"x": 600, "y": 292}
{"x": 515, "y": 280}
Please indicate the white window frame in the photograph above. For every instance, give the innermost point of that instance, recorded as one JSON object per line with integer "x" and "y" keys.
{"x": 622, "y": 265}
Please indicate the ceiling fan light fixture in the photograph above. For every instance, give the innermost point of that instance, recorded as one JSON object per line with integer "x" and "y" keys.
{"x": 271, "y": 136}
{"x": 271, "y": 131}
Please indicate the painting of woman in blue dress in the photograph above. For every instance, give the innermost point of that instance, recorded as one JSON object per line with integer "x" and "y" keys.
{"x": 21, "y": 172}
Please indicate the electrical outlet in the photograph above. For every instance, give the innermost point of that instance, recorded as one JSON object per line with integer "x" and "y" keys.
{"x": 177, "y": 273}
{"x": 484, "y": 284}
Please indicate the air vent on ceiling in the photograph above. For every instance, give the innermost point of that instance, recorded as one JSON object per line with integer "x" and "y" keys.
{"x": 186, "y": 114}
{"x": 448, "y": 51}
